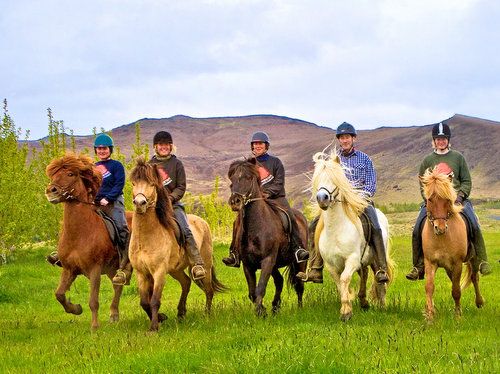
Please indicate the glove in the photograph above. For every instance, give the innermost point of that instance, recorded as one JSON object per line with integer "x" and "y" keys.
{"x": 460, "y": 199}
{"x": 104, "y": 202}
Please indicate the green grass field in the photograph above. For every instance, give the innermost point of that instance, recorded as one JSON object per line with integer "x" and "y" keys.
{"x": 36, "y": 335}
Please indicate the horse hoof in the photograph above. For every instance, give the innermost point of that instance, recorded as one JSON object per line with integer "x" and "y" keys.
{"x": 114, "y": 318}
{"x": 346, "y": 317}
{"x": 365, "y": 305}
{"x": 78, "y": 310}
{"x": 261, "y": 312}
{"x": 162, "y": 317}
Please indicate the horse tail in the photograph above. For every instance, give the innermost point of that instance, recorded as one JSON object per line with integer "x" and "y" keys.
{"x": 391, "y": 264}
{"x": 466, "y": 277}
{"x": 217, "y": 285}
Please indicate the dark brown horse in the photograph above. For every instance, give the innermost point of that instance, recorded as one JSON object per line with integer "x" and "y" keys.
{"x": 444, "y": 240}
{"x": 260, "y": 238}
{"x": 84, "y": 244}
{"x": 154, "y": 250}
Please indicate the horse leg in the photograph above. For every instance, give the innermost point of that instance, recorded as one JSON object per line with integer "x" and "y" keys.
{"x": 345, "y": 292}
{"x": 114, "y": 313}
{"x": 454, "y": 274}
{"x": 475, "y": 281}
{"x": 278, "y": 284}
{"x": 430, "y": 273}
{"x": 65, "y": 282}
{"x": 145, "y": 283}
{"x": 185, "y": 283}
{"x": 251, "y": 282}
{"x": 267, "y": 266}
{"x": 363, "y": 273}
{"x": 155, "y": 302}
{"x": 378, "y": 290}
{"x": 95, "y": 284}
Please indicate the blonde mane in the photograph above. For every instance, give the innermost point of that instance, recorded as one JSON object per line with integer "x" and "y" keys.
{"x": 329, "y": 166}
{"x": 436, "y": 183}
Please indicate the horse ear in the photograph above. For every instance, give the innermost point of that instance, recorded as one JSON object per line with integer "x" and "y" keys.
{"x": 252, "y": 160}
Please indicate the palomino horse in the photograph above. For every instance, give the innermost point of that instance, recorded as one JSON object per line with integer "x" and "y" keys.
{"x": 154, "y": 251}
{"x": 260, "y": 238}
{"x": 339, "y": 235}
{"x": 84, "y": 244}
{"x": 444, "y": 240}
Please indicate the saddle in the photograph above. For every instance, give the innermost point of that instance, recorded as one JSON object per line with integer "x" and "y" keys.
{"x": 113, "y": 232}
{"x": 179, "y": 235}
{"x": 471, "y": 251}
{"x": 286, "y": 221}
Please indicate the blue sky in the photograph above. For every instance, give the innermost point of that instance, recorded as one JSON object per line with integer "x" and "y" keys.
{"x": 371, "y": 63}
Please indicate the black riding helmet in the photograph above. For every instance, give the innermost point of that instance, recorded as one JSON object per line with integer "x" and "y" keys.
{"x": 260, "y": 136}
{"x": 163, "y": 137}
{"x": 441, "y": 129}
{"x": 346, "y": 128}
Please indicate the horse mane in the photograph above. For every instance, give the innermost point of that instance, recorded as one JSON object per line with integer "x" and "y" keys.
{"x": 437, "y": 183}
{"x": 352, "y": 199}
{"x": 78, "y": 164}
{"x": 148, "y": 172}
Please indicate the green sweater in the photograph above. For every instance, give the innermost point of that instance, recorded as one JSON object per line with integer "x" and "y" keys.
{"x": 455, "y": 160}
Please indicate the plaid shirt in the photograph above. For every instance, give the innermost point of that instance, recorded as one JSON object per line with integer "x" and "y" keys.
{"x": 360, "y": 171}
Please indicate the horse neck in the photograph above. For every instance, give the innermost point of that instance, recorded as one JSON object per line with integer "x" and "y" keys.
{"x": 147, "y": 222}
{"x": 77, "y": 213}
{"x": 336, "y": 218}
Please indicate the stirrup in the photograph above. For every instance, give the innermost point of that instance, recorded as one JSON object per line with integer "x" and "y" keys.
{"x": 120, "y": 278}
{"x": 382, "y": 272}
{"x": 231, "y": 260}
{"x": 53, "y": 259}
{"x": 198, "y": 268}
{"x": 297, "y": 255}
{"x": 484, "y": 268}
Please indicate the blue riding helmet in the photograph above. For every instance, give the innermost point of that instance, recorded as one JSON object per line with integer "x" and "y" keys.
{"x": 103, "y": 140}
{"x": 346, "y": 128}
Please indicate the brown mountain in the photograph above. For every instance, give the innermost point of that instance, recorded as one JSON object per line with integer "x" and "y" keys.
{"x": 208, "y": 145}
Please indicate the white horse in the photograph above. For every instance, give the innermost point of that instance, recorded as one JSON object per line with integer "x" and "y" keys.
{"x": 339, "y": 234}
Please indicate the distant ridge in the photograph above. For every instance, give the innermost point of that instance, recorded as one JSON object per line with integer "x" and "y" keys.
{"x": 208, "y": 145}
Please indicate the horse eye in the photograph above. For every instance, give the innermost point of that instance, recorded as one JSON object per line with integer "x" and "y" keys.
{"x": 70, "y": 174}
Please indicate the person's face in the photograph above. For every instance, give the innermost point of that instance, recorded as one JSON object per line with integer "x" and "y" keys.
{"x": 163, "y": 149}
{"x": 346, "y": 142}
{"x": 103, "y": 153}
{"x": 258, "y": 148}
{"x": 441, "y": 143}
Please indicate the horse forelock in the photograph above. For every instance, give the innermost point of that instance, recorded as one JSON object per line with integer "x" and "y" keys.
{"x": 81, "y": 165}
{"x": 328, "y": 167}
{"x": 440, "y": 185}
{"x": 241, "y": 168}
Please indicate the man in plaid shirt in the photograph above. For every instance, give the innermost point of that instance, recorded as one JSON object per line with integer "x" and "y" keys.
{"x": 362, "y": 175}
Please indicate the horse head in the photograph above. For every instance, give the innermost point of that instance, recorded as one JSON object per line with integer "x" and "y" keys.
{"x": 440, "y": 197}
{"x": 148, "y": 191}
{"x": 72, "y": 177}
{"x": 245, "y": 183}
{"x": 331, "y": 186}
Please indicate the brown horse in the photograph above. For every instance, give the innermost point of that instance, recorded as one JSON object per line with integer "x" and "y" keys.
{"x": 84, "y": 244}
{"x": 444, "y": 240}
{"x": 154, "y": 251}
{"x": 260, "y": 238}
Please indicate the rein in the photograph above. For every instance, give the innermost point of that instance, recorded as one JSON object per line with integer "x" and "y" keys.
{"x": 150, "y": 203}
{"x": 67, "y": 195}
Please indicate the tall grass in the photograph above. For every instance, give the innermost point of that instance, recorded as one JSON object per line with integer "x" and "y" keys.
{"x": 36, "y": 335}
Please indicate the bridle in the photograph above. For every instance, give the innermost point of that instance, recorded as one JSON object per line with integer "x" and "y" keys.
{"x": 66, "y": 192}
{"x": 247, "y": 198}
{"x": 333, "y": 195}
{"x": 431, "y": 218}
{"x": 149, "y": 203}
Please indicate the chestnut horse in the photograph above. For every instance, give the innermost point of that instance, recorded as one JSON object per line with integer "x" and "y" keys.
{"x": 339, "y": 235}
{"x": 260, "y": 238}
{"x": 85, "y": 246}
{"x": 154, "y": 251}
{"x": 444, "y": 240}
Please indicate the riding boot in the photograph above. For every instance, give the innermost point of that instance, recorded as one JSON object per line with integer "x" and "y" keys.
{"x": 380, "y": 263}
{"x": 301, "y": 254}
{"x": 480, "y": 261}
{"x": 197, "y": 271}
{"x": 315, "y": 272}
{"x": 124, "y": 272}
{"x": 233, "y": 259}
{"x": 53, "y": 259}
{"x": 418, "y": 271}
